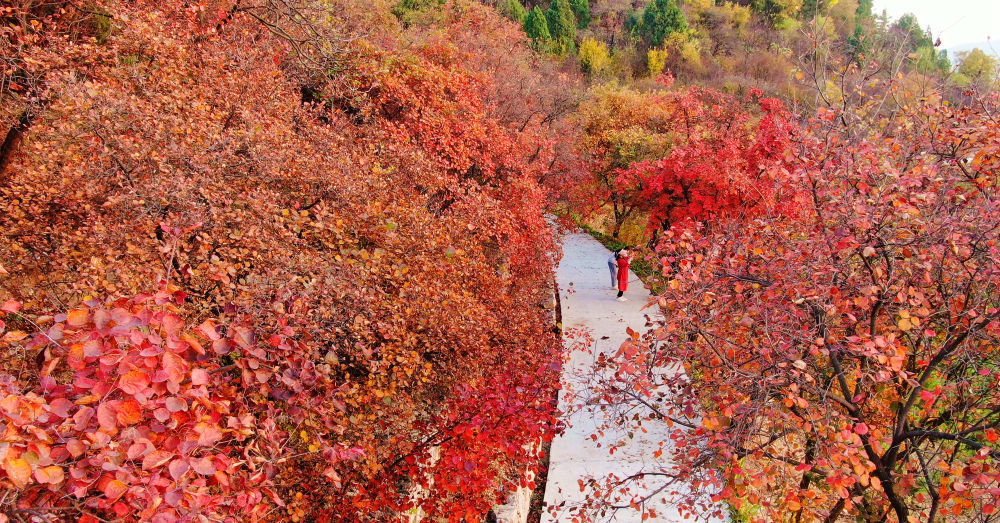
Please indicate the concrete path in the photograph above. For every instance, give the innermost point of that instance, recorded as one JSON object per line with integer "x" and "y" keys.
{"x": 588, "y": 303}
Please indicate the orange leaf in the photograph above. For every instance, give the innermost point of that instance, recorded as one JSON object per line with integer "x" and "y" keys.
{"x": 19, "y": 471}
{"x": 51, "y": 475}
{"x": 175, "y": 367}
{"x": 77, "y": 317}
{"x": 129, "y": 413}
{"x": 133, "y": 382}
{"x": 114, "y": 489}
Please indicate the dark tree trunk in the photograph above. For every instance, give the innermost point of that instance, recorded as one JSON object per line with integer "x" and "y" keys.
{"x": 13, "y": 139}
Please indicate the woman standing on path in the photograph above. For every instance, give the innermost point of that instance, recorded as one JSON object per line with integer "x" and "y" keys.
{"x": 624, "y": 260}
{"x": 613, "y": 265}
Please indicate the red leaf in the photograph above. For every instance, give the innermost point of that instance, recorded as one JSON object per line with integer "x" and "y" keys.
{"x": 172, "y": 323}
{"x": 49, "y": 475}
{"x": 92, "y": 349}
{"x": 208, "y": 434}
{"x": 204, "y": 466}
{"x": 178, "y": 468}
{"x": 11, "y": 306}
{"x": 106, "y": 416}
{"x": 156, "y": 459}
{"x": 222, "y": 346}
{"x": 175, "y": 404}
{"x": 18, "y": 471}
{"x": 175, "y": 367}
{"x": 199, "y": 377}
{"x": 208, "y": 329}
{"x": 60, "y": 407}
{"x": 133, "y": 382}
{"x": 76, "y": 448}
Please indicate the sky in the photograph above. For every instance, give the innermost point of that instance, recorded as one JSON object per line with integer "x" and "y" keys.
{"x": 956, "y": 22}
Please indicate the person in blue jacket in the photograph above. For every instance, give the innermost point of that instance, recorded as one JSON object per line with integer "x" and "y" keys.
{"x": 613, "y": 265}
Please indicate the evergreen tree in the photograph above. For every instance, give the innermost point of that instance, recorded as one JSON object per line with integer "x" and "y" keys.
{"x": 864, "y": 9}
{"x": 660, "y": 19}
{"x": 514, "y": 10}
{"x": 859, "y": 43}
{"x": 581, "y": 8}
{"x": 562, "y": 25}
{"x": 809, "y": 9}
{"x": 633, "y": 22}
{"x": 910, "y": 27}
{"x": 538, "y": 29}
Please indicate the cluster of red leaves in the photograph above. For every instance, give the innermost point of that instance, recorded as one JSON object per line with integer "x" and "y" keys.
{"x": 726, "y": 158}
{"x": 841, "y": 359}
{"x": 124, "y": 421}
{"x": 368, "y": 207}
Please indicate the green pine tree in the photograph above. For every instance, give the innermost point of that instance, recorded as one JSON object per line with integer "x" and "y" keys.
{"x": 581, "y": 8}
{"x": 864, "y": 9}
{"x": 562, "y": 25}
{"x": 660, "y": 19}
{"x": 859, "y": 42}
{"x": 537, "y": 29}
{"x": 514, "y": 10}
{"x": 809, "y": 9}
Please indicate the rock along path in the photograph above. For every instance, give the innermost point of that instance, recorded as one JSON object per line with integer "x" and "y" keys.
{"x": 588, "y": 302}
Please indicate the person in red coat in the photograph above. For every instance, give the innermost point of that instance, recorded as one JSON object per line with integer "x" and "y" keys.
{"x": 624, "y": 260}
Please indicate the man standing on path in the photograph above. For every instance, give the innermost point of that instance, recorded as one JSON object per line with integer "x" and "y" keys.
{"x": 624, "y": 260}
{"x": 613, "y": 265}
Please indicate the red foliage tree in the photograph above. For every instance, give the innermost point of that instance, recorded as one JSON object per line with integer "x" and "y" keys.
{"x": 362, "y": 207}
{"x": 726, "y": 159}
{"x": 840, "y": 360}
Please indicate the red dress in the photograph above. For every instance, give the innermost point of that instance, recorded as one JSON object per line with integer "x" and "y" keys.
{"x": 623, "y": 264}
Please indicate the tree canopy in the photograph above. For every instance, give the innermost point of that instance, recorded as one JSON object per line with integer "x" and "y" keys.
{"x": 660, "y": 19}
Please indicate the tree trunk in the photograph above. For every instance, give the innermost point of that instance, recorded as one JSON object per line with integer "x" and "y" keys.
{"x": 12, "y": 141}
{"x": 618, "y": 227}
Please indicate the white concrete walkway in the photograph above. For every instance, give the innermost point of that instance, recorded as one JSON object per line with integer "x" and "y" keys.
{"x": 588, "y": 303}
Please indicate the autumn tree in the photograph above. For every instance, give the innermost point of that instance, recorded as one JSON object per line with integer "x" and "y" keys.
{"x": 724, "y": 161}
{"x": 621, "y": 126}
{"x": 977, "y": 69}
{"x": 595, "y": 58}
{"x": 343, "y": 230}
{"x": 839, "y": 361}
